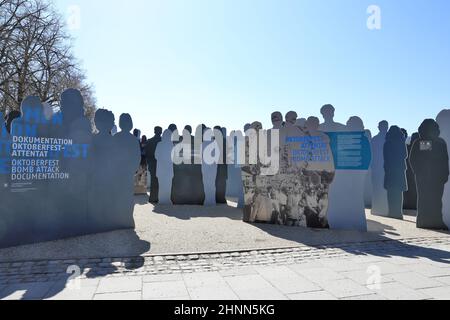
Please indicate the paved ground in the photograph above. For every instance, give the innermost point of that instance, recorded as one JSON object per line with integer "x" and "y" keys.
{"x": 416, "y": 269}
{"x": 200, "y": 253}
{"x": 195, "y": 229}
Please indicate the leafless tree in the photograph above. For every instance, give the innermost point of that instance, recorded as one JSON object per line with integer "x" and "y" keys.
{"x": 36, "y": 56}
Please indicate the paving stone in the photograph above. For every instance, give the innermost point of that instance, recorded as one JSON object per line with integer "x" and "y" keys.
{"x": 371, "y": 297}
{"x": 121, "y": 284}
{"x": 345, "y": 288}
{"x": 239, "y": 271}
{"x": 439, "y": 293}
{"x": 162, "y": 278}
{"x": 119, "y": 296}
{"x": 29, "y": 291}
{"x": 341, "y": 265}
{"x": 414, "y": 280}
{"x": 202, "y": 279}
{"x": 444, "y": 280}
{"x": 398, "y": 291}
{"x": 363, "y": 277}
{"x": 312, "y": 296}
{"x": 218, "y": 292}
{"x": 254, "y": 287}
{"x": 164, "y": 290}
{"x": 429, "y": 270}
{"x": 286, "y": 280}
{"x": 83, "y": 293}
{"x": 317, "y": 275}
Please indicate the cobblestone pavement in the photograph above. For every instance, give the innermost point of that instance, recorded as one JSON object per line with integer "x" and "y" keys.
{"x": 417, "y": 268}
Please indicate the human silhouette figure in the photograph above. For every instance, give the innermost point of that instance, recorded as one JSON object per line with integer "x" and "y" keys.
{"x": 329, "y": 124}
{"x": 443, "y": 119}
{"x": 235, "y": 188}
{"x": 211, "y": 158}
{"x": 128, "y": 153}
{"x": 379, "y": 193}
{"x": 301, "y": 123}
{"x": 395, "y": 155}
{"x": 194, "y": 170}
{"x": 12, "y": 115}
{"x": 6, "y": 214}
{"x": 187, "y": 187}
{"x": 277, "y": 120}
{"x": 368, "y": 183}
{"x": 222, "y": 168}
{"x": 142, "y": 145}
{"x": 72, "y": 195}
{"x": 291, "y": 119}
{"x": 32, "y": 218}
{"x": 430, "y": 162}
{"x": 172, "y": 127}
{"x": 164, "y": 170}
{"x": 149, "y": 150}
{"x": 104, "y": 154}
{"x": 410, "y": 196}
{"x": 316, "y": 218}
{"x": 346, "y": 209}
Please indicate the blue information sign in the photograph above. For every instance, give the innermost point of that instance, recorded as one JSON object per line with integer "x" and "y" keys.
{"x": 351, "y": 150}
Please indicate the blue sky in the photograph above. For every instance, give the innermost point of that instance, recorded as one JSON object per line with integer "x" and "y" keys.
{"x": 229, "y": 62}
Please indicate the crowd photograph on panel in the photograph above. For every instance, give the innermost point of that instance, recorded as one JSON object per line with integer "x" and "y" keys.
{"x": 214, "y": 151}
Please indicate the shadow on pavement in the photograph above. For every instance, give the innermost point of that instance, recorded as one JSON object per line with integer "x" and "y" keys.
{"x": 132, "y": 244}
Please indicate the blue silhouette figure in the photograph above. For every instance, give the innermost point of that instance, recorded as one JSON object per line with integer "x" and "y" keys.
{"x": 379, "y": 193}
{"x": 395, "y": 155}
{"x": 71, "y": 195}
{"x": 430, "y": 162}
{"x": 102, "y": 174}
{"x": 128, "y": 157}
{"x": 149, "y": 150}
{"x": 165, "y": 168}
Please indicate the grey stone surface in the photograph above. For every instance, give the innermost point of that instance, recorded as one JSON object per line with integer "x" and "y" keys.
{"x": 411, "y": 268}
{"x": 397, "y": 291}
{"x": 312, "y": 296}
{"x": 286, "y": 280}
{"x": 201, "y": 229}
{"x": 119, "y": 284}
{"x": 345, "y": 288}
{"x": 119, "y": 296}
{"x": 254, "y": 287}
{"x": 164, "y": 290}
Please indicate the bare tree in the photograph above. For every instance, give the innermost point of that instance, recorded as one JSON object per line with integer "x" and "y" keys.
{"x": 36, "y": 56}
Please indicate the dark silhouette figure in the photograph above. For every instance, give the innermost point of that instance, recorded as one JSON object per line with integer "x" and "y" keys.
{"x": 405, "y": 133}
{"x": 410, "y": 196}
{"x": 6, "y": 216}
{"x": 72, "y": 194}
{"x": 32, "y": 218}
{"x": 103, "y": 174}
{"x": 277, "y": 120}
{"x": 128, "y": 155}
{"x": 10, "y": 118}
{"x": 329, "y": 124}
{"x": 443, "y": 119}
{"x": 165, "y": 168}
{"x": 395, "y": 155}
{"x": 429, "y": 160}
{"x": 220, "y": 135}
{"x": 152, "y": 164}
{"x": 379, "y": 193}
{"x": 173, "y": 127}
{"x": 142, "y": 146}
{"x": 187, "y": 187}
